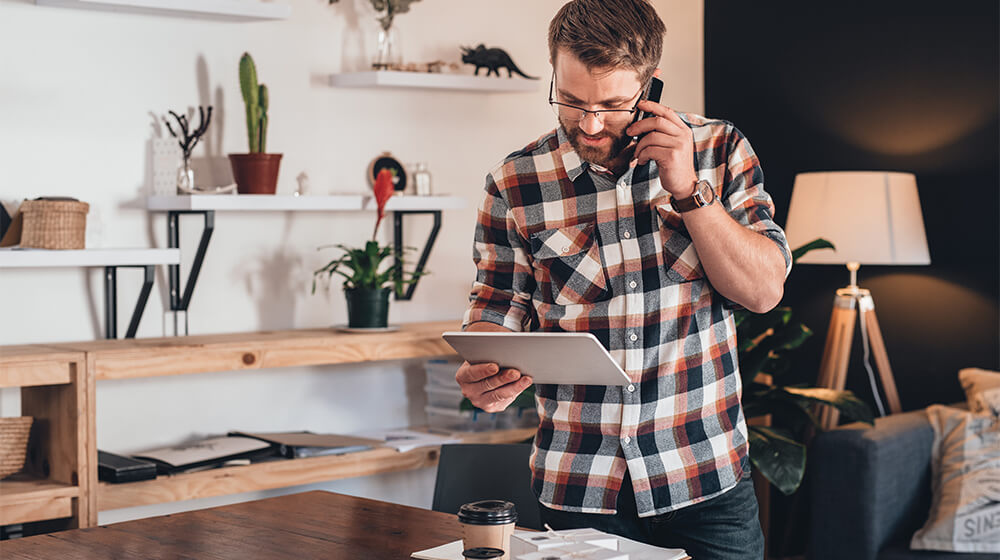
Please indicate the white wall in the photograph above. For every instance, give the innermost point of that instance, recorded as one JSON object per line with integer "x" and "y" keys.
{"x": 78, "y": 95}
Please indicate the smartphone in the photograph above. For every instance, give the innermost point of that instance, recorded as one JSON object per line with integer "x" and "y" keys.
{"x": 653, "y": 91}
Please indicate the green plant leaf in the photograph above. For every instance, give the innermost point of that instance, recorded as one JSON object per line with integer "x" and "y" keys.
{"x": 811, "y": 246}
{"x": 845, "y": 401}
{"x": 778, "y": 457}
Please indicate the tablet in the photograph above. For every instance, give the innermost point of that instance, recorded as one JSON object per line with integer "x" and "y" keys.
{"x": 560, "y": 358}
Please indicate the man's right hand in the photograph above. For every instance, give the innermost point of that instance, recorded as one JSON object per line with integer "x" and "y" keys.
{"x": 488, "y": 387}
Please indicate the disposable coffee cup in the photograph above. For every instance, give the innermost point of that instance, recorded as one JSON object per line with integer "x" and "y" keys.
{"x": 488, "y": 524}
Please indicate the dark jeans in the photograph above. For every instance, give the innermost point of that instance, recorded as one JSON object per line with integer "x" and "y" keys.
{"x": 723, "y": 528}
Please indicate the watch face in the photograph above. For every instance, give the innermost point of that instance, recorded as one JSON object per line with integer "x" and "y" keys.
{"x": 706, "y": 192}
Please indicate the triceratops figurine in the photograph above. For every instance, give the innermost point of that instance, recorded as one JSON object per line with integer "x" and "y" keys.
{"x": 492, "y": 59}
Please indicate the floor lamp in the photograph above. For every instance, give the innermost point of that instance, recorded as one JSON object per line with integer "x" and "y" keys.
{"x": 871, "y": 217}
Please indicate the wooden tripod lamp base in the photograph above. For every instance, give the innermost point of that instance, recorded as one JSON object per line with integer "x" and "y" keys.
{"x": 848, "y": 303}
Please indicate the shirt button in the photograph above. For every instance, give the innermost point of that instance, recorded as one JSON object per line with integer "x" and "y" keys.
{"x": 632, "y": 284}
{"x": 565, "y": 249}
{"x": 631, "y": 388}
{"x": 633, "y": 337}
{"x": 627, "y": 235}
{"x": 628, "y": 439}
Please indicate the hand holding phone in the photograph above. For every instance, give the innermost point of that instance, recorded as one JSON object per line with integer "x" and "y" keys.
{"x": 652, "y": 93}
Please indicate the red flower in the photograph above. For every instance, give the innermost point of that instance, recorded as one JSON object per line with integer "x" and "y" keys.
{"x": 384, "y": 189}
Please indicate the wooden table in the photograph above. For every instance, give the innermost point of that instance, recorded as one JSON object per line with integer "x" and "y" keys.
{"x": 311, "y": 525}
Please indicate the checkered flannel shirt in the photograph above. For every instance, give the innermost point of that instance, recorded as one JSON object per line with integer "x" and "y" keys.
{"x": 562, "y": 245}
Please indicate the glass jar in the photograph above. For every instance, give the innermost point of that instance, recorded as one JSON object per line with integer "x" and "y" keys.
{"x": 422, "y": 180}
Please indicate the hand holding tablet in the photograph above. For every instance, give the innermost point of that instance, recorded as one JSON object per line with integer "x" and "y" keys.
{"x": 559, "y": 358}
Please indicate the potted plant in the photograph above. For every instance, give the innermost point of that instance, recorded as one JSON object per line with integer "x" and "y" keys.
{"x": 767, "y": 342}
{"x": 369, "y": 274}
{"x": 255, "y": 172}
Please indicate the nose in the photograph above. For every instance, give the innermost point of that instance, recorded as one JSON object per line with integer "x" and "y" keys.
{"x": 591, "y": 124}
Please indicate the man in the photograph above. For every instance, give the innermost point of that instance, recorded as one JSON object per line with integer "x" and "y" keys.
{"x": 649, "y": 246}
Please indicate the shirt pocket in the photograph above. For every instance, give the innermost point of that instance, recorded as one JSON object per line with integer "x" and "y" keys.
{"x": 568, "y": 265}
{"x": 680, "y": 260}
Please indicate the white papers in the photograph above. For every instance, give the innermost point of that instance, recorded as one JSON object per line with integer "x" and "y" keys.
{"x": 407, "y": 440}
{"x": 204, "y": 450}
{"x": 450, "y": 551}
{"x": 524, "y": 543}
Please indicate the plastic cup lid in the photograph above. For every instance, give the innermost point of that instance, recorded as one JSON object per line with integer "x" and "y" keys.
{"x": 482, "y": 552}
{"x": 487, "y": 512}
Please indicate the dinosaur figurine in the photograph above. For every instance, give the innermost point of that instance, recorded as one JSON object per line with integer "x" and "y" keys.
{"x": 492, "y": 59}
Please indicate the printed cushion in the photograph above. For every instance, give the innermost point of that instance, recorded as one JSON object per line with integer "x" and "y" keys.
{"x": 965, "y": 463}
{"x": 982, "y": 389}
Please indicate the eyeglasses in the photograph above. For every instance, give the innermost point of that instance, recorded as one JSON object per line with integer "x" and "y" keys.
{"x": 572, "y": 113}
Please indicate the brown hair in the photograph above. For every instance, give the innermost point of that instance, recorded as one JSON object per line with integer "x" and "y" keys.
{"x": 609, "y": 34}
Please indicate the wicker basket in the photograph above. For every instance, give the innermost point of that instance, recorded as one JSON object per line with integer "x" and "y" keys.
{"x": 13, "y": 443}
{"x": 54, "y": 224}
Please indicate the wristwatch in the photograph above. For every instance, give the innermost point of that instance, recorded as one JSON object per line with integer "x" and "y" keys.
{"x": 704, "y": 195}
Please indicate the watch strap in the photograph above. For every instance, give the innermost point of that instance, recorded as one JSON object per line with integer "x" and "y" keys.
{"x": 696, "y": 200}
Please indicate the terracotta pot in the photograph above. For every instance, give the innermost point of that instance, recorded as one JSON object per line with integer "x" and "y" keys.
{"x": 367, "y": 308}
{"x": 255, "y": 173}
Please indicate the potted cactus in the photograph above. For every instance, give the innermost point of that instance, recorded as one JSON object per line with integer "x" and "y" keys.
{"x": 255, "y": 172}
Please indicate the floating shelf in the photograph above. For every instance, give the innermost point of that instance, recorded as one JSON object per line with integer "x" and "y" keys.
{"x": 275, "y": 203}
{"x": 43, "y": 258}
{"x": 233, "y": 10}
{"x": 284, "y": 472}
{"x": 424, "y": 80}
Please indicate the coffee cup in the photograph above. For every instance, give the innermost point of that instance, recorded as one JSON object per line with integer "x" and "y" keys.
{"x": 488, "y": 523}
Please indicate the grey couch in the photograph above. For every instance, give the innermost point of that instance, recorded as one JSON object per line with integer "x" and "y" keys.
{"x": 870, "y": 490}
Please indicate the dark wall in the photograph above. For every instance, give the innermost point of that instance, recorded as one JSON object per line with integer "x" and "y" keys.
{"x": 886, "y": 85}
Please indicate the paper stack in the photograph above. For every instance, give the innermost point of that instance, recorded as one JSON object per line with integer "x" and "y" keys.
{"x": 589, "y": 544}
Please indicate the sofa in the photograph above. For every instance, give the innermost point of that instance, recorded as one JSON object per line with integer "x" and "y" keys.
{"x": 870, "y": 490}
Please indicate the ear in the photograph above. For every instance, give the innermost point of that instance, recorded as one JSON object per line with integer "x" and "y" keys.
{"x": 657, "y": 73}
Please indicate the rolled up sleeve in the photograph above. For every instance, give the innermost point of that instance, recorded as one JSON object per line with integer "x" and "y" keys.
{"x": 744, "y": 195}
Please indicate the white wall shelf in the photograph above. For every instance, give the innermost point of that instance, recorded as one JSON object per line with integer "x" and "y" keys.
{"x": 458, "y": 82}
{"x": 232, "y": 10}
{"x": 276, "y": 203}
{"x": 43, "y": 258}
{"x": 110, "y": 260}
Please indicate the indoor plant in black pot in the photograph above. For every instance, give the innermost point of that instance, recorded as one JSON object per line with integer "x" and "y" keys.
{"x": 255, "y": 172}
{"x": 370, "y": 275}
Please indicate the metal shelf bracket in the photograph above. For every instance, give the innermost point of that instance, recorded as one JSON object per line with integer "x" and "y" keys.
{"x": 425, "y": 252}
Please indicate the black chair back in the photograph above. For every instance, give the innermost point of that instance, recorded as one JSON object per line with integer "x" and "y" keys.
{"x": 469, "y": 472}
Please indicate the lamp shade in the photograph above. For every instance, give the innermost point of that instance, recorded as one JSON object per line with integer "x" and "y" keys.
{"x": 871, "y": 217}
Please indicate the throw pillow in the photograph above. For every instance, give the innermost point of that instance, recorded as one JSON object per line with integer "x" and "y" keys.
{"x": 965, "y": 464}
{"x": 982, "y": 389}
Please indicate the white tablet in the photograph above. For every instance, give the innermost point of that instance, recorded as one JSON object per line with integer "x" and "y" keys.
{"x": 560, "y": 358}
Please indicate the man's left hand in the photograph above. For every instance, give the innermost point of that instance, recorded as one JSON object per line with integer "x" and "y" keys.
{"x": 669, "y": 142}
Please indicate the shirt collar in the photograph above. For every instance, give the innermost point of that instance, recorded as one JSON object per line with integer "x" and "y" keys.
{"x": 571, "y": 161}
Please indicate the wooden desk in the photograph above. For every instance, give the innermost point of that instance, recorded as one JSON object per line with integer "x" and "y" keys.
{"x": 295, "y": 527}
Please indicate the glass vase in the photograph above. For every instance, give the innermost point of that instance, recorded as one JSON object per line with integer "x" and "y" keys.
{"x": 388, "y": 52}
{"x": 185, "y": 178}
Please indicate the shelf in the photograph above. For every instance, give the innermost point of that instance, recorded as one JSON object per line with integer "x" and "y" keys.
{"x": 43, "y": 258}
{"x": 153, "y": 357}
{"x": 25, "y": 498}
{"x": 283, "y": 473}
{"x": 233, "y": 10}
{"x": 423, "y": 80}
{"x": 273, "y": 203}
{"x": 36, "y": 364}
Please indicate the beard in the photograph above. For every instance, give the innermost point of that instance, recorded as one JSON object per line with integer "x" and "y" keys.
{"x": 604, "y": 156}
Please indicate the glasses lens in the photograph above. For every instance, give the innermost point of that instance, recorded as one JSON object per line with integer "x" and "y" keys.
{"x": 574, "y": 114}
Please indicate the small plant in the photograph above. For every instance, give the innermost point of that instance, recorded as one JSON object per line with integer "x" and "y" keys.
{"x": 388, "y": 9}
{"x": 366, "y": 268}
{"x": 188, "y": 137}
{"x": 255, "y": 97}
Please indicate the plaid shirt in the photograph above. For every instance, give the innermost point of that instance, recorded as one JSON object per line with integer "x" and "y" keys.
{"x": 562, "y": 245}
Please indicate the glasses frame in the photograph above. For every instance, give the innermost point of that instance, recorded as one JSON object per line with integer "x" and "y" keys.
{"x": 598, "y": 113}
